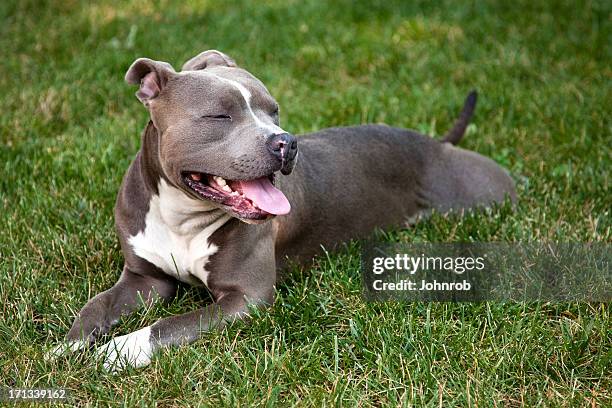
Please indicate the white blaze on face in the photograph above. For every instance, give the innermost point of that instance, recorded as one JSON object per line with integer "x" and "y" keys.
{"x": 271, "y": 128}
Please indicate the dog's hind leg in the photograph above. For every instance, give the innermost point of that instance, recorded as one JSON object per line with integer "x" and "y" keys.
{"x": 463, "y": 179}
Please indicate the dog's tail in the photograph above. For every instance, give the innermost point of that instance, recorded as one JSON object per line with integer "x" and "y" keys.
{"x": 456, "y": 133}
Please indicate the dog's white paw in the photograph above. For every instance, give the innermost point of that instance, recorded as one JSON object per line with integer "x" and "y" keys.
{"x": 133, "y": 349}
{"x": 64, "y": 348}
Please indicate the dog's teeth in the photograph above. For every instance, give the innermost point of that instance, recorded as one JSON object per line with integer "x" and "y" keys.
{"x": 196, "y": 176}
{"x": 220, "y": 181}
{"x": 227, "y": 188}
{"x": 234, "y": 193}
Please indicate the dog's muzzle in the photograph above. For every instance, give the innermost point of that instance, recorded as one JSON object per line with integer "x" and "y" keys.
{"x": 283, "y": 146}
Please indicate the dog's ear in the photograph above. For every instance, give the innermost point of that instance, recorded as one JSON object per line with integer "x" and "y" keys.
{"x": 207, "y": 59}
{"x": 151, "y": 75}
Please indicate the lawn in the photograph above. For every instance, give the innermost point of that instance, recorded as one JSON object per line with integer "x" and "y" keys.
{"x": 70, "y": 127}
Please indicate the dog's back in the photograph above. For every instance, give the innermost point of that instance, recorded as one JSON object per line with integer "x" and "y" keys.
{"x": 352, "y": 180}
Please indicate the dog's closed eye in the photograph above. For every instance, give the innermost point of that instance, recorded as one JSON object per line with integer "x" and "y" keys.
{"x": 217, "y": 117}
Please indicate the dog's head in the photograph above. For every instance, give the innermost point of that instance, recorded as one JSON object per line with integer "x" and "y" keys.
{"x": 219, "y": 133}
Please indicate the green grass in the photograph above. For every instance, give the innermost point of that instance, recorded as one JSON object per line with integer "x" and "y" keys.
{"x": 69, "y": 128}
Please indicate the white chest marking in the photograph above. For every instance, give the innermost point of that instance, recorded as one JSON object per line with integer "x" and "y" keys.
{"x": 175, "y": 238}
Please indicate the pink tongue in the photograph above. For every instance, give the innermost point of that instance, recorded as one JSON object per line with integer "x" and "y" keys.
{"x": 265, "y": 196}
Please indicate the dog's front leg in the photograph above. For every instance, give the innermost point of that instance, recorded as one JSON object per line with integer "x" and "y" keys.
{"x": 105, "y": 309}
{"x": 135, "y": 349}
{"x": 242, "y": 273}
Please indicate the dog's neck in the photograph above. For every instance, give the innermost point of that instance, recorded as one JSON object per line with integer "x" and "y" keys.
{"x": 150, "y": 167}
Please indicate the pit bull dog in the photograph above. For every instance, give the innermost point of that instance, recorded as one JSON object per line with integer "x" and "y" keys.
{"x": 214, "y": 197}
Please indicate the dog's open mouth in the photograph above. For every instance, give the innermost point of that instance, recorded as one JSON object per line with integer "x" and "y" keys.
{"x": 255, "y": 199}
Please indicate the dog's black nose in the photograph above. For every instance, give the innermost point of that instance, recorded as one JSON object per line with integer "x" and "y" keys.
{"x": 283, "y": 146}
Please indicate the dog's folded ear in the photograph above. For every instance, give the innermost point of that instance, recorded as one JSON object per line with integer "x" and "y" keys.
{"x": 208, "y": 59}
{"x": 151, "y": 75}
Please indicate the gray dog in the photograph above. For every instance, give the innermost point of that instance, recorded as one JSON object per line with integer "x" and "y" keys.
{"x": 203, "y": 202}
